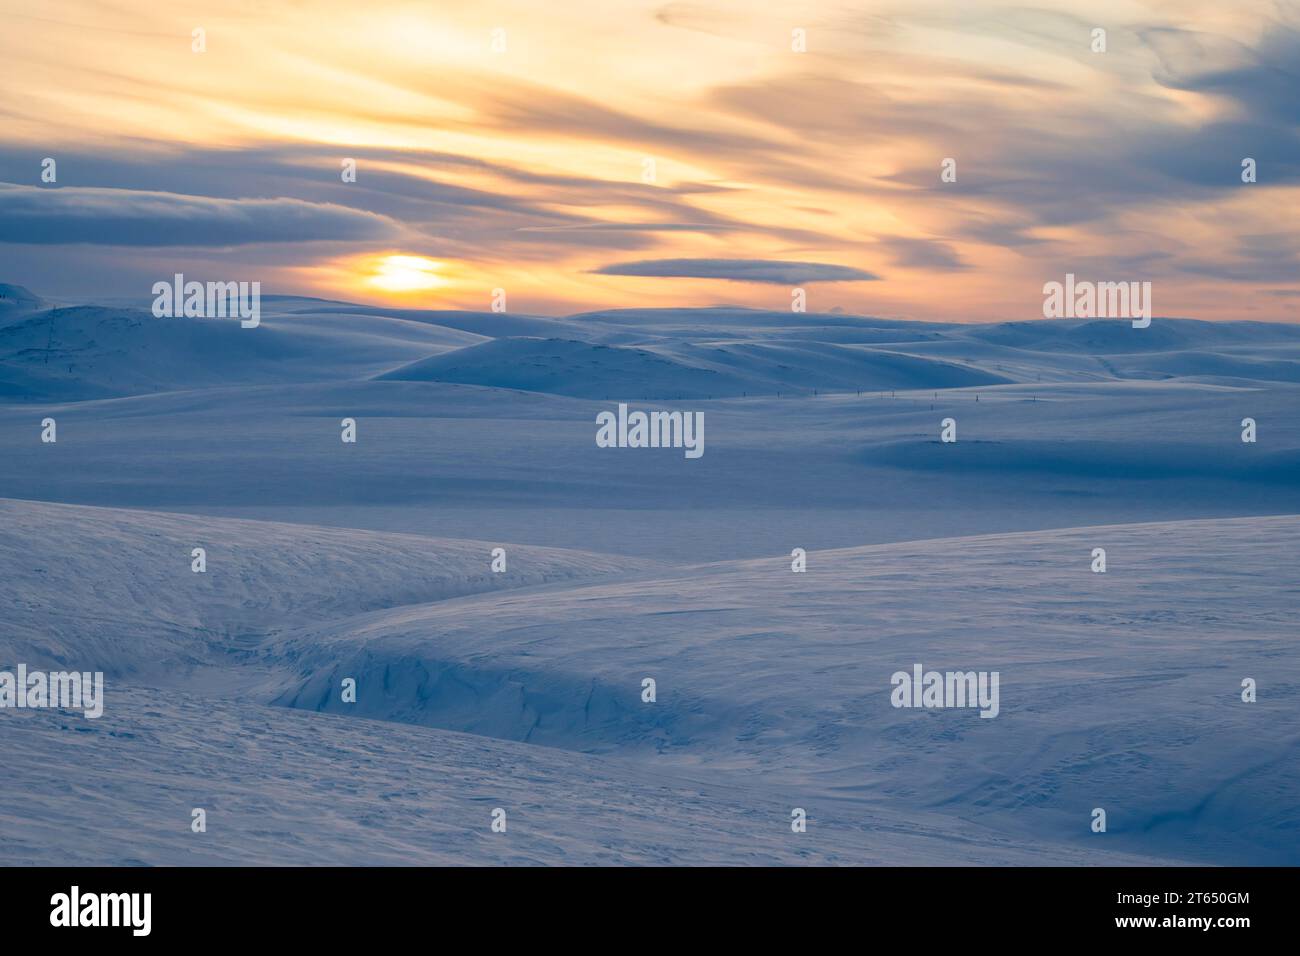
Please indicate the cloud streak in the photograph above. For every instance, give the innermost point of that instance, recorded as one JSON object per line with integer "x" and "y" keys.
{"x": 118, "y": 217}
{"x": 739, "y": 270}
{"x": 709, "y": 149}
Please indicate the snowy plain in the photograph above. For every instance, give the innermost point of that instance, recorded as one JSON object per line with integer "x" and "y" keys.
{"x": 522, "y": 689}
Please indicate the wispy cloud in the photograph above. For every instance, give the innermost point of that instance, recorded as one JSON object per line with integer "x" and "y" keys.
{"x": 689, "y": 135}
{"x": 739, "y": 270}
{"x": 119, "y": 217}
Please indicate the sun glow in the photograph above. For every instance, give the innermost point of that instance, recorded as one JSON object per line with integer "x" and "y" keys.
{"x": 406, "y": 274}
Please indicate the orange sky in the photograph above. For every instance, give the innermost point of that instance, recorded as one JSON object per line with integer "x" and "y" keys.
{"x": 592, "y": 135}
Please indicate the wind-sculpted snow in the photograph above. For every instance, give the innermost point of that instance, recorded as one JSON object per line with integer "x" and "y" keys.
{"x": 1119, "y": 689}
{"x": 331, "y": 564}
{"x": 284, "y": 788}
{"x": 115, "y": 590}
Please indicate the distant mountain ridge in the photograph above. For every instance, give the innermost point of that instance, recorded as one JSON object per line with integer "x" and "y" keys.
{"x": 16, "y": 298}
{"x": 88, "y": 352}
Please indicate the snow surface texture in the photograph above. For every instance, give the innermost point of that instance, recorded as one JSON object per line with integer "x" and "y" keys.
{"x": 522, "y": 690}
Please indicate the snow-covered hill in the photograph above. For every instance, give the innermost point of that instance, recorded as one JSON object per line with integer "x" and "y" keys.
{"x": 115, "y": 590}
{"x": 83, "y": 352}
{"x": 370, "y": 560}
{"x": 1118, "y": 689}
{"x": 286, "y": 788}
{"x": 773, "y": 691}
{"x": 90, "y": 352}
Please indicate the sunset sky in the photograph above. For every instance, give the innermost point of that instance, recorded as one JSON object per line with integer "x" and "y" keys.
{"x": 526, "y": 168}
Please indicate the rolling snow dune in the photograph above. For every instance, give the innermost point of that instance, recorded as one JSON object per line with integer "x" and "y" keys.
{"x": 1119, "y": 689}
{"x": 1281, "y": 363}
{"x": 1091, "y": 461}
{"x": 688, "y": 322}
{"x": 113, "y": 590}
{"x": 803, "y": 366}
{"x": 486, "y": 324}
{"x": 523, "y": 689}
{"x": 1116, "y": 336}
{"x": 282, "y": 788}
{"x": 824, "y": 472}
{"x": 570, "y": 368}
{"x": 716, "y": 370}
{"x": 88, "y": 352}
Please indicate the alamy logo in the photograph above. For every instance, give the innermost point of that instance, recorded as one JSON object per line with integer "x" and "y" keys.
{"x": 212, "y": 300}
{"x": 1098, "y": 300}
{"x": 103, "y": 909}
{"x": 69, "y": 690}
{"x": 951, "y": 689}
{"x": 651, "y": 430}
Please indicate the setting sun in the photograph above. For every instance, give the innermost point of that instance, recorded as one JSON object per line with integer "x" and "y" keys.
{"x": 405, "y": 274}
